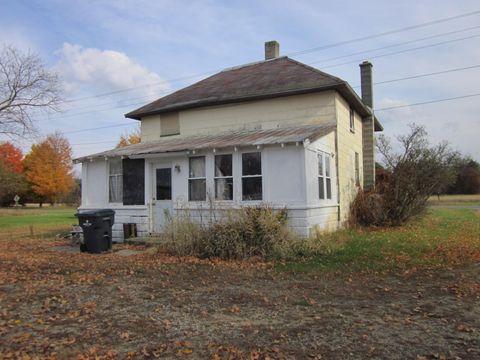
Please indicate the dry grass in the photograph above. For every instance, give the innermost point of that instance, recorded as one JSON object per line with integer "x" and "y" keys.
{"x": 455, "y": 200}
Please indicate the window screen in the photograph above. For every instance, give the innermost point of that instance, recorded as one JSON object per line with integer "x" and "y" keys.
{"x": 252, "y": 176}
{"x": 197, "y": 184}
{"x": 115, "y": 183}
{"x": 223, "y": 177}
{"x": 324, "y": 176}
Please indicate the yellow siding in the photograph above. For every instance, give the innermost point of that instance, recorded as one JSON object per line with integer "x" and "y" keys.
{"x": 150, "y": 128}
{"x": 265, "y": 114}
{"x": 348, "y": 144}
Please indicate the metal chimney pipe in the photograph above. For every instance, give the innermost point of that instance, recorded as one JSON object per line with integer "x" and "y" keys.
{"x": 366, "y": 79}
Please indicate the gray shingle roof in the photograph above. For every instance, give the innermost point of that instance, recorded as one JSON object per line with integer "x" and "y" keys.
{"x": 271, "y": 78}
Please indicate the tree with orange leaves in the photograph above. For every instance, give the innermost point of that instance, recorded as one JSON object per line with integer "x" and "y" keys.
{"x": 129, "y": 138}
{"x": 11, "y": 156}
{"x": 48, "y": 167}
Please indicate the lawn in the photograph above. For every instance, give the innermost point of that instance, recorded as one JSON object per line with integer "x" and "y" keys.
{"x": 15, "y": 222}
{"x": 58, "y": 303}
{"x": 445, "y": 237}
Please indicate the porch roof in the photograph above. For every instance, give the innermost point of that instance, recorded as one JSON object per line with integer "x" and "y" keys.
{"x": 239, "y": 138}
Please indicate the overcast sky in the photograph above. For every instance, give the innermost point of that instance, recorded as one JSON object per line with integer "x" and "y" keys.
{"x": 156, "y": 47}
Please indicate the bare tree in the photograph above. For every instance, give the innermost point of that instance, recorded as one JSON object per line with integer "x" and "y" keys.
{"x": 25, "y": 88}
{"x": 412, "y": 174}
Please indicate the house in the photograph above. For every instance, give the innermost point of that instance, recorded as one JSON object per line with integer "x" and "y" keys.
{"x": 275, "y": 131}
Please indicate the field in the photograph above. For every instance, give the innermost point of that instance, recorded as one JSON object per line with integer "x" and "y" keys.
{"x": 20, "y": 222}
{"x": 411, "y": 292}
{"x": 455, "y": 200}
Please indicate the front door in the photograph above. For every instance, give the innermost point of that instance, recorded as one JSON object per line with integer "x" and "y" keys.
{"x": 162, "y": 196}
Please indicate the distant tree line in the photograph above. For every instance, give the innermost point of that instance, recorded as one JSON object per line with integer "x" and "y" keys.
{"x": 467, "y": 179}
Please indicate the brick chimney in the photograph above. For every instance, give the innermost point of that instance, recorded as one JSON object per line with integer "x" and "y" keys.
{"x": 366, "y": 80}
{"x": 272, "y": 50}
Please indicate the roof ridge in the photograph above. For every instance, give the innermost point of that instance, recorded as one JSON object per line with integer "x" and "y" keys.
{"x": 311, "y": 68}
{"x": 250, "y": 64}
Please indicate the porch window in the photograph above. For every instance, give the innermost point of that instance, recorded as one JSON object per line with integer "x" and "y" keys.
{"x": 324, "y": 176}
{"x": 197, "y": 184}
{"x": 223, "y": 177}
{"x": 115, "y": 183}
{"x": 252, "y": 176}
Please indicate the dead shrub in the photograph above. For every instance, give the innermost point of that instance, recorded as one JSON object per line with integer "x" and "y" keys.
{"x": 243, "y": 233}
{"x": 410, "y": 177}
{"x": 367, "y": 209}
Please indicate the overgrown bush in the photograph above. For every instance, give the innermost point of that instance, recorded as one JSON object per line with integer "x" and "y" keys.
{"x": 241, "y": 233}
{"x": 411, "y": 176}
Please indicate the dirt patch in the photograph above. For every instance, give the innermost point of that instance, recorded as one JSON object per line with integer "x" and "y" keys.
{"x": 146, "y": 306}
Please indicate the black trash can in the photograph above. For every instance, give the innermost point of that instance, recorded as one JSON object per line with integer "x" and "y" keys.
{"x": 97, "y": 230}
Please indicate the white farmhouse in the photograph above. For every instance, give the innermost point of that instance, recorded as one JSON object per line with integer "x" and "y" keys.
{"x": 277, "y": 131}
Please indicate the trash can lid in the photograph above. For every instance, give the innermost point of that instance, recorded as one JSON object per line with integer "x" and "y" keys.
{"x": 96, "y": 213}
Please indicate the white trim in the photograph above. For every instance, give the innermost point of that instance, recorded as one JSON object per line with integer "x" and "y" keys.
{"x": 222, "y": 177}
{"x": 255, "y": 203}
{"x": 158, "y": 155}
{"x": 114, "y": 206}
{"x": 262, "y": 175}
{"x": 198, "y": 177}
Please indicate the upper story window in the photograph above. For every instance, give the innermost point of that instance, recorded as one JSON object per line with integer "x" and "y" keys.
{"x": 252, "y": 176}
{"x": 115, "y": 181}
{"x": 197, "y": 182}
{"x": 352, "y": 119}
{"x": 223, "y": 177}
{"x": 357, "y": 169}
{"x": 169, "y": 124}
{"x": 324, "y": 176}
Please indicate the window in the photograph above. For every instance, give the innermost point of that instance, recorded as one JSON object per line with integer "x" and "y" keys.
{"x": 252, "y": 176}
{"x": 324, "y": 176}
{"x": 223, "y": 177}
{"x": 197, "y": 184}
{"x": 169, "y": 124}
{"x": 115, "y": 183}
{"x": 352, "y": 119}
{"x": 357, "y": 169}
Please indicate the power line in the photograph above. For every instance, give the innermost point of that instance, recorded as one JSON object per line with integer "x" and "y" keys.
{"x": 95, "y": 143}
{"x": 422, "y": 75}
{"x": 345, "y": 42}
{"x": 377, "y": 35}
{"x": 398, "y": 44}
{"x": 376, "y": 83}
{"x": 93, "y": 111}
{"x": 168, "y": 81}
{"x": 334, "y": 65}
{"x": 97, "y": 128}
{"x": 376, "y": 110}
{"x": 427, "y": 102}
{"x": 357, "y": 86}
{"x": 402, "y": 51}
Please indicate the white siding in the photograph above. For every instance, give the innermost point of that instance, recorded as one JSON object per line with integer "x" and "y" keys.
{"x": 95, "y": 183}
